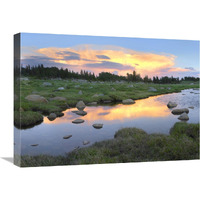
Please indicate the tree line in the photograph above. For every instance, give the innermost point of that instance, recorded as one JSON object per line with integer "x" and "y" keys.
{"x": 40, "y": 71}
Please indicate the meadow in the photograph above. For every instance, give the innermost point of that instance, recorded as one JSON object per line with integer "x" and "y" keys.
{"x": 58, "y": 95}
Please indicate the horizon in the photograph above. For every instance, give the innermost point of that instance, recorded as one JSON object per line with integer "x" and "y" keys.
{"x": 116, "y": 55}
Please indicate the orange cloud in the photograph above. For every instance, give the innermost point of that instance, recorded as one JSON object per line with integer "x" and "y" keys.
{"x": 178, "y": 69}
{"x": 98, "y": 58}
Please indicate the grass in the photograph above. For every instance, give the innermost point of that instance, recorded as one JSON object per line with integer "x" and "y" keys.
{"x": 130, "y": 145}
{"x": 71, "y": 93}
{"x": 27, "y": 118}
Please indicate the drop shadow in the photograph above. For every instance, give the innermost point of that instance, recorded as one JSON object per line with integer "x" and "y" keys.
{"x": 9, "y": 159}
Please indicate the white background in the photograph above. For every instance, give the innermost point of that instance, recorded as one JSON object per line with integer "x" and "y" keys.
{"x": 142, "y": 18}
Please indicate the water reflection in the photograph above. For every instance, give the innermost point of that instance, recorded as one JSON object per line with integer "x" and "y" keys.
{"x": 142, "y": 108}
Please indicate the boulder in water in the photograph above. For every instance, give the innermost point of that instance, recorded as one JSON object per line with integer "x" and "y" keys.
{"x": 78, "y": 121}
{"x": 52, "y": 116}
{"x": 171, "y": 104}
{"x": 92, "y": 104}
{"x": 97, "y": 126}
{"x": 81, "y": 112}
{"x": 183, "y": 116}
{"x": 80, "y": 105}
{"x": 67, "y": 137}
{"x": 180, "y": 111}
{"x": 128, "y": 101}
{"x": 86, "y": 142}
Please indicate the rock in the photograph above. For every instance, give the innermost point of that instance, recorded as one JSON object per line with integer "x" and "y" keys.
{"x": 75, "y": 148}
{"x": 24, "y": 79}
{"x": 191, "y": 92}
{"x": 34, "y": 145}
{"x": 97, "y": 126}
{"x": 130, "y": 86}
{"x": 80, "y": 105}
{"x": 77, "y": 86}
{"x": 169, "y": 88}
{"x": 180, "y": 111}
{"x": 98, "y": 95}
{"x": 52, "y": 116}
{"x": 58, "y": 99}
{"x": 78, "y": 121}
{"x": 81, "y": 112}
{"x": 67, "y": 137}
{"x": 95, "y": 95}
{"x": 191, "y": 83}
{"x": 195, "y": 88}
{"x": 183, "y": 116}
{"x": 35, "y": 92}
{"x": 36, "y": 98}
{"x": 92, "y": 104}
{"x": 152, "y": 89}
{"x": 86, "y": 142}
{"x": 74, "y": 111}
{"x": 113, "y": 89}
{"x": 59, "y": 114}
{"x": 128, "y": 101}
{"x": 191, "y": 107}
{"x": 47, "y": 84}
{"x": 21, "y": 109}
{"x": 162, "y": 88}
{"x": 171, "y": 104}
{"x": 80, "y": 92}
{"x": 107, "y": 101}
{"x": 61, "y": 88}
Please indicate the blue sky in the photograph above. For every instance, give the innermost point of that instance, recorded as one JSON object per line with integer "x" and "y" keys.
{"x": 181, "y": 56}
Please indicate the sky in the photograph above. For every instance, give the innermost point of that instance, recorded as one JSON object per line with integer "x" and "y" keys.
{"x": 117, "y": 55}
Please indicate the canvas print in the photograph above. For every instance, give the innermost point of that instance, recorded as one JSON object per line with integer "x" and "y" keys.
{"x": 93, "y": 99}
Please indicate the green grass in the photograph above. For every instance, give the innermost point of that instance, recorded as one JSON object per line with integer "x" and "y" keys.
{"x": 138, "y": 91}
{"x": 27, "y": 118}
{"x": 130, "y": 145}
{"x": 122, "y": 91}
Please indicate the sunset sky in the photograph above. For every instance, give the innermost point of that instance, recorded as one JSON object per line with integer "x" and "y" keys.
{"x": 118, "y": 55}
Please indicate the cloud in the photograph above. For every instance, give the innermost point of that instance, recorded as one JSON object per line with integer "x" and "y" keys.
{"x": 102, "y": 57}
{"x": 190, "y": 68}
{"x": 69, "y": 53}
{"x": 109, "y": 65}
{"x": 71, "y": 57}
{"x": 46, "y": 61}
{"x": 178, "y": 69}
